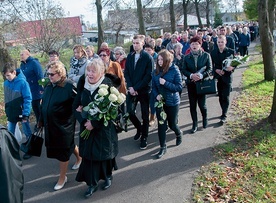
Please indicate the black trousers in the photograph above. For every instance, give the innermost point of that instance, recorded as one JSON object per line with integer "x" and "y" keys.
{"x": 171, "y": 121}
{"x": 131, "y": 103}
{"x": 224, "y": 90}
{"x": 36, "y": 108}
{"x": 195, "y": 99}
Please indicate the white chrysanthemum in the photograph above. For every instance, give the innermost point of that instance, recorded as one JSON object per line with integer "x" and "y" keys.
{"x": 112, "y": 98}
{"x": 103, "y": 92}
{"x": 113, "y": 90}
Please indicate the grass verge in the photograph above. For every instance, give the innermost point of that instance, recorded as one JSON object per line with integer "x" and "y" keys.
{"x": 246, "y": 166}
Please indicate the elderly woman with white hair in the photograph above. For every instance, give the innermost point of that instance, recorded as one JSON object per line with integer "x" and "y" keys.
{"x": 120, "y": 56}
{"x": 99, "y": 149}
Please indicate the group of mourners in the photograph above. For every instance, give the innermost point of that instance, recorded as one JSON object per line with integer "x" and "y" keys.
{"x": 154, "y": 71}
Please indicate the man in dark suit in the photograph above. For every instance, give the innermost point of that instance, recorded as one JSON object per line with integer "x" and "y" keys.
{"x": 223, "y": 74}
{"x": 139, "y": 66}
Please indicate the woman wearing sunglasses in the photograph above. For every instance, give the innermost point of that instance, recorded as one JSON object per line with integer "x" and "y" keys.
{"x": 58, "y": 120}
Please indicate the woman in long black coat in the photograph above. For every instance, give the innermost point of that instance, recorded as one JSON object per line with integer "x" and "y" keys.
{"x": 98, "y": 152}
{"x": 58, "y": 119}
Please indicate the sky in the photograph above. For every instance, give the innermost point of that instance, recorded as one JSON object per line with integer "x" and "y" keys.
{"x": 80, "y": 7}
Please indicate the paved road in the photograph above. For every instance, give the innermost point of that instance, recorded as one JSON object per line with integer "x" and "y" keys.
{"x": 140, "y": 177}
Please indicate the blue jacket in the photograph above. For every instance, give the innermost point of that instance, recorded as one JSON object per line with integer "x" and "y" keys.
{"x": 244, "y": 40}
{"x": 33, "y": 72}
{"x": 170, "y": 90}
{"x": 18, "y": 97}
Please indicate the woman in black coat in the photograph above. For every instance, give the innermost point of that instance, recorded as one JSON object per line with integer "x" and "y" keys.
{"x": 197, "y": 65}
{"x": 58, "y": 119}
{"x": 99, "y": 150}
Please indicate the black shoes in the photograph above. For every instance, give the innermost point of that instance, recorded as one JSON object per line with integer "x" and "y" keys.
{"x": 90, "y": 191}
{"x": 107, "y": 183}
{"x": 222, "y": 119}
{"x": 143, "y": 144}
{"x": 179, "y": 139}
{"x": 161, "y": 153}
{"x": 205, "y": 123}
{"x": 26, "y": 156}
{"x": 137, "y": 136}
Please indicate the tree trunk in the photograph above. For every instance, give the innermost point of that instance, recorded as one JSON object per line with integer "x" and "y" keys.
{"x": 117, "y": 34}
{"x": 172, "y": 16}
{"x": 185, "y": 14}
{"x": 208, "y": 13}
{"x": 100, "y": 22}
{"x": 267, "y": 42}
{"x": 271, "y": 13}
{"x": 272, "y": 116}
{"x": 198, "y": 14}
{"x": 142, "y": 30}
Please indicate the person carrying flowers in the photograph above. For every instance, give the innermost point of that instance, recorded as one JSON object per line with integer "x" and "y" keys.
{"x": 98, "y": 104}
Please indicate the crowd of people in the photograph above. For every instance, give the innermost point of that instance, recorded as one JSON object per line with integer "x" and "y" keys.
{"x": 154, "y": 72}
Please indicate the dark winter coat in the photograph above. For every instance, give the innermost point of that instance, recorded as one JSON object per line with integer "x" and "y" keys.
{"x": 11, "y": 173}
{"x": 217, "y": 59}
{"x": 139, "y": 77}
{"x": 102, "y": 143}
{"x": 170, "y": 90}
{"x": 189, "y": 66}
{"x": 57, "y": 114}
{"x": 33, "y": 72}
{"x": 18, "y": 97}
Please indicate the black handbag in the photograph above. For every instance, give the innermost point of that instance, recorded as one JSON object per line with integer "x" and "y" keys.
{"x": 33, "y": 146}
{"x": 207, "y": 86}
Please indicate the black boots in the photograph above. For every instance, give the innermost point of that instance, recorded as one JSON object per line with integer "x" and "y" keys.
{"x": 205, "y": 123}
{"x": 162, "y": 151}
{"x": 179, "y": 139}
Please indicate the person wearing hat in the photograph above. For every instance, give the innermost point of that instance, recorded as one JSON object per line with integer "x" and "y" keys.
{"x": 197, "y": 65}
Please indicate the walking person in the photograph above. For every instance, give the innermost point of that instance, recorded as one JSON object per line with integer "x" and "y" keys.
{"x": 77, "y": 63}
{"x": 99, "y": 150}
{"x": 197, "y": 66}
{"x": 58, "y": 119}
{"x": 223, "y": 75}
{"x": 138, "y": 70}
{"x": 32, "y": 70}
{"x": 244, "y": 42}
{"x": 166, "y": 85}
{"x": 18, "y": 99}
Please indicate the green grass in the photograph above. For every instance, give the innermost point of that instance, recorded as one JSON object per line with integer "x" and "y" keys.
{"x": 246, "y": 165}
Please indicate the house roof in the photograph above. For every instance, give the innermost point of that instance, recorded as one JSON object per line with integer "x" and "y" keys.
{"x": 192, "y": 20}
{"x": 33, "y": 29}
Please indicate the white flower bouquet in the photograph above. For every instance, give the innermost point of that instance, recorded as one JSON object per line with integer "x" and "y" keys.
{"x": 234, "y": 62}
{"x": 105, "y": 106}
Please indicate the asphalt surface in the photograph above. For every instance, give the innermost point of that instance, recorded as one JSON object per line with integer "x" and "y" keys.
{"x": 141, "y": 177}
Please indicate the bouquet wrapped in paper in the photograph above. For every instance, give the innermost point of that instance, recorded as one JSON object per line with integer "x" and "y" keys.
{"x": 234, "y": 62}
{"x": 105, "y": 106}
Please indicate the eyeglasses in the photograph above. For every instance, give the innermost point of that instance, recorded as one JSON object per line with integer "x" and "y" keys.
{"x": 103, "y": 55}
{"x": 51, "y": 74}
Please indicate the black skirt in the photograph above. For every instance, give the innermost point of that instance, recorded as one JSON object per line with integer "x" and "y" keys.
{"x": 61, "y": 154}
{"x": 93, "y": 171}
